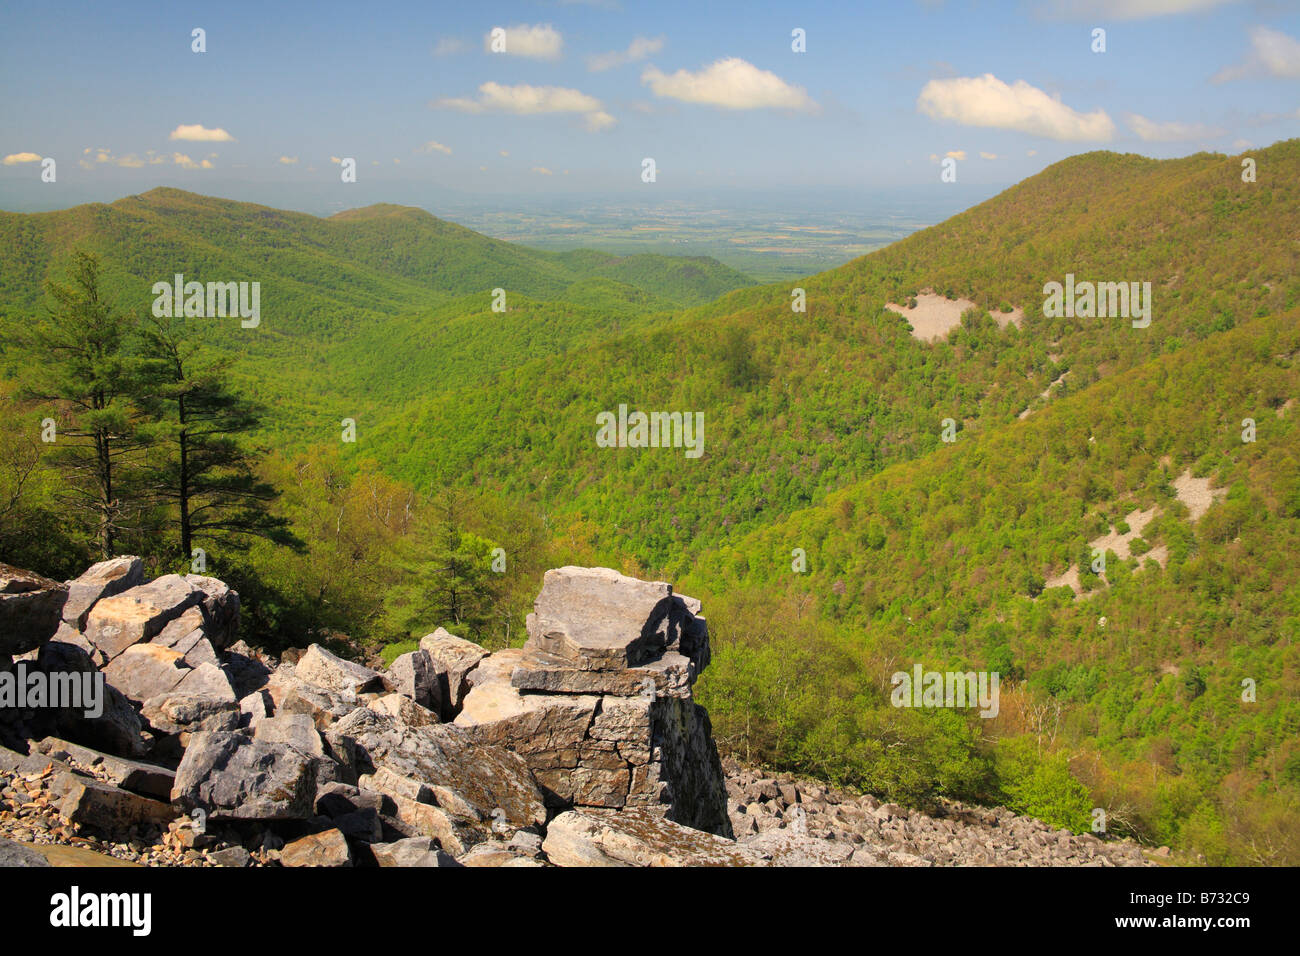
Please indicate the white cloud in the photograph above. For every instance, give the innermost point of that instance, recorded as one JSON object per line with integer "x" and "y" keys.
{"x": 288, "y": 160}
{"x": 732, "y": 84}
{"x": 103, "y": 155}
{"x": 987, "y": 101}
{"x": 526, "y": 100}
{"x": 957, "y": 154}
{"x": 1242, "y": 144}
{"x": 433, "y": 146}
{"x": 638, "y": 49}
{"x": 537, "y": 42}
{"x": 13, "y": 159}
{"x": 201, "y": 134}
{"x": 335, "y": 160}
{"x": 449, "y": 46}
{"x": 1169, "y": 132}
{"x": 1129, "y": 9}
{"x": 984, "y": 155}
{"x": 1272, "y": 53}
{"x": 180, "y": 159}
{"x": 1031, "y": 152}
{"x": 542, "y": 171}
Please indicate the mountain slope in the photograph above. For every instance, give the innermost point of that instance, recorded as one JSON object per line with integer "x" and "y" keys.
{"x": 1172, "y": 683}
{"x": 798, "y": 404}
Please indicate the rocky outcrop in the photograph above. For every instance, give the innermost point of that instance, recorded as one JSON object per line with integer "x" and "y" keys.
{"x": 598, "y": 701}
{"x": 582, "y": 748}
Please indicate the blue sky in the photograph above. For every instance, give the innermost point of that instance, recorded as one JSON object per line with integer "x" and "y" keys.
{"x": 585, "y": 91}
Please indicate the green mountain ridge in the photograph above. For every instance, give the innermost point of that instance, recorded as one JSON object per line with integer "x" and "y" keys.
{"x": 826, "y": 441}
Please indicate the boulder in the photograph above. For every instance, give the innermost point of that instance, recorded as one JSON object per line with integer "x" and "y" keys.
{"x": 208, "y": 680}
{"x": 329, "y": 848}
{"x": 294, "y": 730}
{"x": 255, "y": 708}
{"x": 341, "y": 799}
{"x": 139, "y": 614}
{"x": 637, "y": 838}
{"x": 143, "y": 671}
{"x": 415, "y": 819}
{"x": 249, "y": 670}
{"x": 220, "y": 610}
{"x": 109, "y": 809}
{"x": 414, "y": 675}
{"x": 145, "y": 779}
{"x": 486, "y": 855}
{"x": 101, "y": 580}
{"x": 232, "y": 856}
{"x": 290, "y": 695}
{"x": 649, "y": 751}
{"x": 329, "y": 672}
{"x": 116, "y": 730}
{"x": 485, "y": 778}
{"x": 398, "y": 705}
{"x": 231, "y": 775}
{"x": 16, "y": 854}
{"x": 453, "y": 659}
{"x": 413, "y": 851}
{"x": 179, "y": 712}
{"x": 598, "y": 619}
{"x": 785, "y": 847}
{"x": 188, "y": 634}
{"x": 31, "y": 609}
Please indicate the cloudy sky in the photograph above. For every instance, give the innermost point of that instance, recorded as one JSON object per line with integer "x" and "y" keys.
{"x": 571, "y": 97}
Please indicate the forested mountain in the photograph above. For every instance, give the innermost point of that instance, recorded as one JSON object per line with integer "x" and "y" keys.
{"x": 369, "y": 257}
{"x": 934, "y": 488}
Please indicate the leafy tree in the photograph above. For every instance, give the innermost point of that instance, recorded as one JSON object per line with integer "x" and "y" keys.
{"x": 446, "y": 576}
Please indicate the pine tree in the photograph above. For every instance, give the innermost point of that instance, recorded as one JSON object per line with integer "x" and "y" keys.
{"x": 79, "y": 362}
{"x": 201, "y": 467}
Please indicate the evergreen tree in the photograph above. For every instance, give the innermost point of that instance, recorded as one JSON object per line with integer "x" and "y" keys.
{"x": 79, "y": 362}
{"x": 201, "y": 467}
{"x": 446, "y": 576}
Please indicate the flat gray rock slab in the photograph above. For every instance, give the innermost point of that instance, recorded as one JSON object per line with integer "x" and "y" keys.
{"x": 598, "y": 619}
{"x": 15, "y": 854}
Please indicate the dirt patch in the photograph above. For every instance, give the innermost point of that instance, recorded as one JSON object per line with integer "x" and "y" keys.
{"x": 935, "y": 316}
{"x": 1196, "y": 494}
{"x": 1119, "y": 543}
{"x": 1159, "y": 554}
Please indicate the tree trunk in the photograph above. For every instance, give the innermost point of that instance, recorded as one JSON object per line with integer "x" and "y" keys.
{"x": 106, "y": 495}
{"x": 184, "y": 483}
